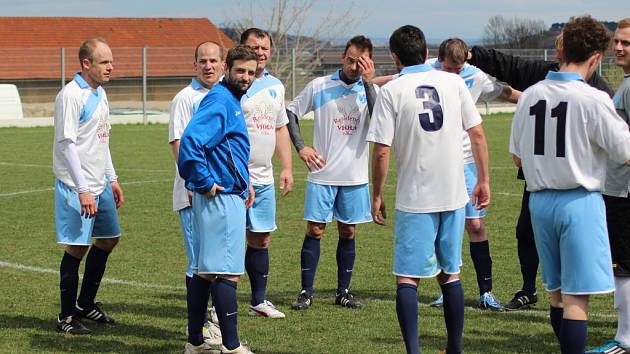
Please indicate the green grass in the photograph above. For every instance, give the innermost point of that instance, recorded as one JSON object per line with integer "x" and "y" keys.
{"x": 151, "y": 252}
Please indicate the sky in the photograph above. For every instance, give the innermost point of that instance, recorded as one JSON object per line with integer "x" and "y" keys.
{"x": 374, "y": 18}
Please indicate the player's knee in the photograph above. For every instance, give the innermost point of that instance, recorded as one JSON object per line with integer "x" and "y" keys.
{"x": 315, "y": 230}
{"x": 76, "y": 251}
{"x": 106, "y": 244}
{"x": 346, "y": 232}
{"x": 444, "y": 278}
{"x": 476, "y": 230}
{"x": 258, "y": 240}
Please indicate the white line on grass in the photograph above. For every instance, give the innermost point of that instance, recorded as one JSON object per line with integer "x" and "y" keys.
{"x": 105, "y": 280}
{"x": 51, "y": 189}
{"x": 23, "y": 267}
{"x": 50, "y": 166}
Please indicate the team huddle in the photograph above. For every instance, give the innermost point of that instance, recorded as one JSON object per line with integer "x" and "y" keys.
{"x": 570, "y": 141}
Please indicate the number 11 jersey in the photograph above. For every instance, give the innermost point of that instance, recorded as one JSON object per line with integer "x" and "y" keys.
{"x": 563, "y": 131}
{"x": 421, "y": 114}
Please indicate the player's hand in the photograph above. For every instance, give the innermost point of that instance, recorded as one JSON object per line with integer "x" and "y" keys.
{"x": 215, "y": 189}
{"x": 286, "y": 182}
{"x": 118, "y": 193}
{"x": 88, "y": 204}
{"x": 378, "y": 207}
{"x": 190, "y": 195}
{"x": 367, "y": 68}
{"x": 481, "y": 195}
{"x": 313, "y": 160}
{"x": 250, "y": 198}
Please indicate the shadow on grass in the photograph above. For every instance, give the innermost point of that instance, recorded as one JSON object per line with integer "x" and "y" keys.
{"x": 94, "y": 344}
{"x": 160, "y": 311}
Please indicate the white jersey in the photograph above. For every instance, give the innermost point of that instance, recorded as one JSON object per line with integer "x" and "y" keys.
{"x": 82, "y": 116}
{"x": 264, "y": 110}
{"x": 480, "y": 85}
{"x": 564, "y": 131}
{"x": 183, "y": 106}
{"x": 341, "y": 124}
{"x": 421, "y": 114}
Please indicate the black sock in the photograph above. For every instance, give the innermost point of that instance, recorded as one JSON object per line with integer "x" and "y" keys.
{"x": 407, "y": 311}
{"x": 227, "y": 311}
{"x": 480, "y": 254}
{"x": 345, "y": 262}
{"x": 95, "y": 264}
{"x": 197, "y": 301}
{"x": 68, "y": 284}
{"x": 555, "y": 316}
{"x": 453, "y": 315}
{"x": 309, "y": 259}
{"x": 257, "y": 266}
{"x": 188, "y": 282}
{"x": 526, "y": 246}
{"x": 573, "y": 336}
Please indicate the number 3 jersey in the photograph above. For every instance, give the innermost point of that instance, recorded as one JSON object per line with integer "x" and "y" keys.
{"x": 563, "y": 131}
{"x": 421, "y": 115}
{"x": 341, "y": 124}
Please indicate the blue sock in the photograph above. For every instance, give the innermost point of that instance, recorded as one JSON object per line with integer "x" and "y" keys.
{"x": 227, "y": 311}
{"x": 309, "y": 259}
{"x": 573, "y": 336}
{"x": 257, "y": 266}
{"x": 555, "y": 316}
{"x": 197, "y": 301}
{"x": 345, "y": 263}
{"x": 480, "y": 254}
{"x": 68, "y": 284}
{"x": 454, "y": 315}
{"x": 407, "y": 311}
{"x": 95, "y": 264}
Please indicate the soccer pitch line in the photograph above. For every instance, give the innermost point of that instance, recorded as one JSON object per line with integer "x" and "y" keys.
{"x": 135, "y": 284}
{"x": 11, "y": 194}
{"x": 50, "y": 166}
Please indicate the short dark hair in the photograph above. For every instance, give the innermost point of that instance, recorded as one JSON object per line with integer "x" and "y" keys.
{"x": 455, "y": 49}
{"x": 409, "y": 45}
{"x": 361, "y": 42}
{"x": 582, "y": 37}
{"x": 257, "y": 32}
{"x": 86, "y": 51}
{"x": 221, "y": 49}
{"x": 240, "y": 52}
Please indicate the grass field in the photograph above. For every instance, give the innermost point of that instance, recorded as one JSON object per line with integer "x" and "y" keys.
{"x": 144, "y": 289}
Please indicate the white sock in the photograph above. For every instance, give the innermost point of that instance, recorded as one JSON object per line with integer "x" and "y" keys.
{"x": 622, "y": 305}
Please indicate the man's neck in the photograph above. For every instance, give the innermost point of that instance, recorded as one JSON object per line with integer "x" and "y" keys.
{"x": 346, "y": 79}
{"x": 260, "y": 73}
{"x": 581, "y": 69}
{"x": 93, "y": 84}
{"x": 235, "y": 92}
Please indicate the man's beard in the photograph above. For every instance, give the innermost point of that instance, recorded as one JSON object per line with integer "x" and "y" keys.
{"x": 235, "y": 86}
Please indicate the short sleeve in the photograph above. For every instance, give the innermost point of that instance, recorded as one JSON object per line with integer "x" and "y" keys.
{"x": 179, "y": 116}
{"x": 490, "y": 88}
{"x": 281, "y": 114}
{"x": 303, "y": 103}
{"x": 608, "y": 130}
{"x": 470, "y": 114}
{"x": 516, "y": 131}
{"x": 383, "y": 123}
{"x": 67, "y": 113}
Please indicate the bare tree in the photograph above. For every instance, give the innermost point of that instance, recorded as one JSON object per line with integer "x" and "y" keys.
{"x": 287, "y": 21}
{"x": 514, "y": 33}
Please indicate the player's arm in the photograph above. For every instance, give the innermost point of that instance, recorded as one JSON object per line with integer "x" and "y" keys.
{"x": 510, "y": 94}
{"x": 110, "y": 173}
{"x": 481, "y": 192}
{"x": 283, "y": 152}
{"x": 517, "y": 161}
{"x": 380, "y": 167}
{"x": 517, "y": 72}
{"x": 180, "y": 108}
{"x": 68, "y": 149}
{"x": 301, "y": 105}
{"x": 204, "y": 132}
{"x": 382, "y": 80}
{"x": 367, "y": 74}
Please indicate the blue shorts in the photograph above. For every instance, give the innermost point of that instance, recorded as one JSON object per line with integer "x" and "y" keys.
{"x": 470, "y": 174}
{"x": 186, "y": 223}
{"x": 261, "y": 217}
{"x": 348, "y": 204}
{"x": 572, "y": 241}
{"x": 219, "y": 234}
{"x": 427, "y": 243}
{"x": 74, "y": 229}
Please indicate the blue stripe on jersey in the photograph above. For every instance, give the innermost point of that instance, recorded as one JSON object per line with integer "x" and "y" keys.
{"x": 195, "y": 84}
{"x": 260, "y": 84}
{"x": 93, "y": 100}
{"x": 467, "y": 71}
{"x": 617, "y": 99}
{"x": 324, "y": 96}
{"x": 416, "y": 69}
{"x": 563, "y": 76}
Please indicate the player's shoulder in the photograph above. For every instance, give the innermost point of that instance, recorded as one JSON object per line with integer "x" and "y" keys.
{"x": 185, "y": 94}
{"x": 272, "y": 80}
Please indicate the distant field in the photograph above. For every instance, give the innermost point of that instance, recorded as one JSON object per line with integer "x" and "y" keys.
{"x": 144, "y": 289}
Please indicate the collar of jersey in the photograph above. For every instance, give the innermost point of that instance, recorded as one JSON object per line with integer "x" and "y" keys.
{"x": 466, "y": 72}
{"x": 81, "y": 81}
{"x": 337, "y": 76}
{"x": 563, "y": 76}
{"x": 415, "y": 69}
{"x": 195, "y": 84}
